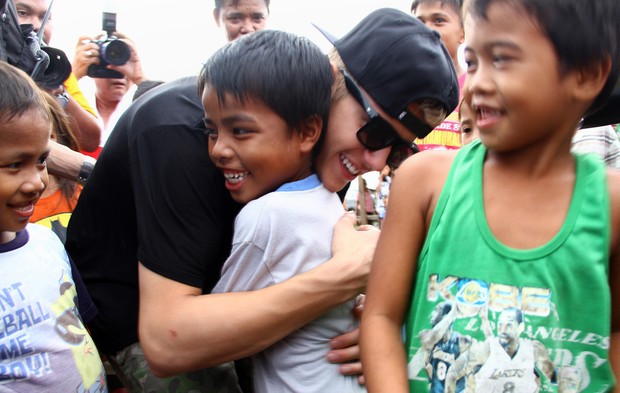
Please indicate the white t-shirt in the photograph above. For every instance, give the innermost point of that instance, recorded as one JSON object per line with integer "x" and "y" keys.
{"x": 44, "y": 346}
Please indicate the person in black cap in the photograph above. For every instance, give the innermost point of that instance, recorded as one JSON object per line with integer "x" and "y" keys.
{"x": 398, "y": 76}
{"x": 164, "y": 238}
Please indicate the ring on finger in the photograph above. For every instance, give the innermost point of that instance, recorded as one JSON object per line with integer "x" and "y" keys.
{"x": 89, "y": 53}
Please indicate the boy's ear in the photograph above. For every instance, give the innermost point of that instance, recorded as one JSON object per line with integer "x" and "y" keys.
{"x": 335, "y": 69}
{"x": 591, "y": 79}
{"x": 335, "y": 73}
{"x": 310, "y": 131}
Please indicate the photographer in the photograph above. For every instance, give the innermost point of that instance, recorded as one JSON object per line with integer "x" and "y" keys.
{"x": 111, "y": 95}
{"x": 87, "y": 54}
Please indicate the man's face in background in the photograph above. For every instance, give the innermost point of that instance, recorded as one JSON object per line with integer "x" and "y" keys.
{"x": 241, "y": 17}
{"x": 32, "y": 12}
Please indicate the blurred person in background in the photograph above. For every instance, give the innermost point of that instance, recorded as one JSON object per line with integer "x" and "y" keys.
{"x": 444, "y": 17}
{"x": 57, "y": 202}
{"x": 83, "y": 118}
{"x": 240, "y": 17}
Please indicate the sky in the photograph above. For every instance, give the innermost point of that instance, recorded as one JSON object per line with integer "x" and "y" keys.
{"x": 175, "y": 38}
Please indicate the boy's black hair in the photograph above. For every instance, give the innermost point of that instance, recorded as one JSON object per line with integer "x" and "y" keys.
{"x": 20, "y": 94}
{"x": 286, "y": 72}
{"x": 583, "y": 33}
{"x": 457, "y": 5}
{"x": 219, "y": 4}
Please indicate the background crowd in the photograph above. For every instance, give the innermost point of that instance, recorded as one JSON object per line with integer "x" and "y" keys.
{"x": 143, "y": 175}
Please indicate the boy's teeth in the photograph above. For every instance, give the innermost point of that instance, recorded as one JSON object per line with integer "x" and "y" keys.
{"x": 235, "y": 177}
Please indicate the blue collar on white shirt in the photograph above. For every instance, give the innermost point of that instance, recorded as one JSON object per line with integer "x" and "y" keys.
{"x": 308, "y": 183}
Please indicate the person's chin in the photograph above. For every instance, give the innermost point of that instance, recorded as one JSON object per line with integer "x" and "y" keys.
{"x": 333, "y": 180}
{"x": 335, "y": 186}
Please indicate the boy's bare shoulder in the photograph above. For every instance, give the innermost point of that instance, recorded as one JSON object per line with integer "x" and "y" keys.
{"x": 425, "y": 174}
{"x": 429, "y": 164}
{"x": 613, "y": 175}
{"x": 613, "y": 181}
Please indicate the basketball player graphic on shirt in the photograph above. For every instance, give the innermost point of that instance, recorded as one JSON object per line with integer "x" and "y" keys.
{"x": 441, "y": 345}
{"x": 505, "y": 363}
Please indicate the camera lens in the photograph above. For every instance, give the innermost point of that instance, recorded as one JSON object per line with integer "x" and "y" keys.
{"x": 57, "y": 71}
{"x": 115, "y": 52}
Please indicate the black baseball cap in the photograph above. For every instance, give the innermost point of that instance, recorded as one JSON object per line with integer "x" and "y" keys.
{"x": 398, "y": 60}
{"x": 609, "y": 113}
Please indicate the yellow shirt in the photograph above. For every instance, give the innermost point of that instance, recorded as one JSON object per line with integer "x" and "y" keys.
{"x": 72, "y": 87}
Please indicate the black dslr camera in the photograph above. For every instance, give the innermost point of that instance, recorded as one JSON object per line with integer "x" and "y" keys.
{"x": 111, "y": 50}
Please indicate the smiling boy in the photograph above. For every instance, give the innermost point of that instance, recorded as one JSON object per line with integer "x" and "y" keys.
{"x": 515, "y": 220}
{"x": 264, "y": 125}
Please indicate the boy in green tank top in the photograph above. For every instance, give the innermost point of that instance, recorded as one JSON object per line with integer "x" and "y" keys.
{"x": 515, "y": 240}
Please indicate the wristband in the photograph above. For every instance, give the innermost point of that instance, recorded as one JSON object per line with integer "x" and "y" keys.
{"x": 63, "y": 98}
{"x": 86, "y": 169}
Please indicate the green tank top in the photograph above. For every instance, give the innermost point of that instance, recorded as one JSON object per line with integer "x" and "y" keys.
{"x": 555, "y": 297}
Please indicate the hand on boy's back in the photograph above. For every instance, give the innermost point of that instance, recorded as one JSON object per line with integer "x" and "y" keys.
{"x": 345, "y": 350}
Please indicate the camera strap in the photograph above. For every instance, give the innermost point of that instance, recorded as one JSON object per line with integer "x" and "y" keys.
{"x": 44, "y": 22}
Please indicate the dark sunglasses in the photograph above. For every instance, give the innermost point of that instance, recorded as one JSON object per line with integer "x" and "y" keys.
{"x": 377, "y": 133}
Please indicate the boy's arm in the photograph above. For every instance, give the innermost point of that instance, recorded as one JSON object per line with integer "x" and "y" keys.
{"x": 412, "y": 196}
{"x": 614, "y": 275}
{"x": 176, "y": 319}
{"x": 614, "y": 358}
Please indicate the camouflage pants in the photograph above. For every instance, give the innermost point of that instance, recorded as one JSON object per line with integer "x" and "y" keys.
{"x": 133, "y": 371}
